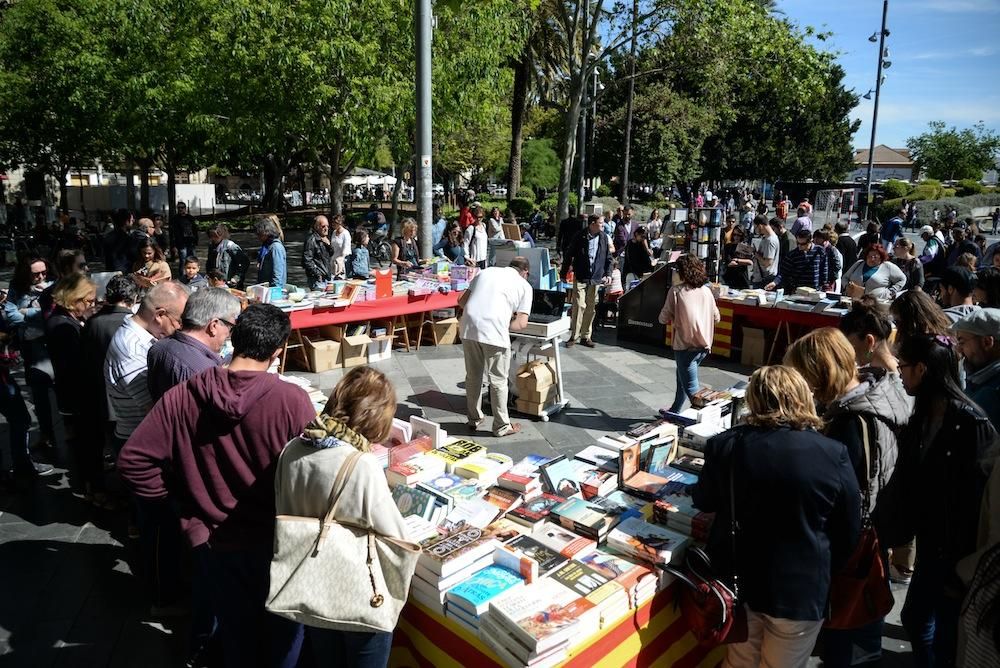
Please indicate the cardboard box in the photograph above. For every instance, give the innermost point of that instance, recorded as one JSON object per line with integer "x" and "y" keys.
{"x": 446, "y": 331}
{"x": 753, "y": 347}
{"x": 545, "y": 395}
{"x": 530, "y": 407}
{"x": 323, "y": 355}
{"x": 354, "y": 350}
{"x": 380, "y": 348}
{"x": 535, "y": 376}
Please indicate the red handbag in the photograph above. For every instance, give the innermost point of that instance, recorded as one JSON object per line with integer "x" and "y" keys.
{"x": 711, "y": 609}
{"x": 860, "y": 592}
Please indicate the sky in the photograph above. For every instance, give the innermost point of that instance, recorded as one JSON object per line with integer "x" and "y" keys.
{"x": 945, "y": 57}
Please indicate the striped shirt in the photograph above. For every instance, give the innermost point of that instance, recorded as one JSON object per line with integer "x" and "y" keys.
{"x": 125, "y": 372}
{"x": 803, "y": 268}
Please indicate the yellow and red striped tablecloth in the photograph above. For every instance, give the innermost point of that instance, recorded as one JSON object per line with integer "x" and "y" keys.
{"x": 652, "y": 635}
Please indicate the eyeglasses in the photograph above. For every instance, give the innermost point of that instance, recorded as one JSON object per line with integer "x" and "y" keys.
{"x": 227, "y": 323}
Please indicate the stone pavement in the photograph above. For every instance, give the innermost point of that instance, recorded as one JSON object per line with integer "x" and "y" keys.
{"x": 67, "y": 593}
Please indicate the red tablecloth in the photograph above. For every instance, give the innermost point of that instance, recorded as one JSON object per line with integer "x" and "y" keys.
{"x": 373, "y": 310}
{"x": 769, "y": 317}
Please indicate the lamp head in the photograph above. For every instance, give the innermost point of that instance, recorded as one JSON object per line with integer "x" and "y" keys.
{"x": 873, "y": 38}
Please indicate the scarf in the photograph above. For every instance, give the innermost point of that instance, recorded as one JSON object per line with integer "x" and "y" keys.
{"x": 328, "y": 432}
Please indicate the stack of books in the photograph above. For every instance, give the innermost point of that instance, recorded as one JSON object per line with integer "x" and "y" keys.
{"x": 584, "y": 518}
{"x": 523, "y": 477}
{"x": 534, "y": 625}
{"x": 449, "y": 561}
{"x": 677, "y": 512}
{"x": 485, "y": 468}
{"x": 649, "y": 542}
{"x": 638, "y": 579}
{"x": 470, "y": 598}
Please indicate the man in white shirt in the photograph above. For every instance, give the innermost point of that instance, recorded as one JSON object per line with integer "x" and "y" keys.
{"x": 765, "y": 262}
{"x": 497, "y": 302}
{"x": 126, "y": 368}
{"x": 475, "y": 240}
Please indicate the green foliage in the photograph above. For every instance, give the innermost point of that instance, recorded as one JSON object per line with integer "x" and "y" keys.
{"x": 922, "y": 192}
{"x": 948, "y": 192}
{"x": 521, "y": 207}
{"x": 955, "y": 154}
{"x": 604, "y": 190}
{"x": 551, "y": 203}
{"x": 526, "y": 193}
{"x": 970, "y": 187}
{"x": 963, "y": 205}
{"x": 894, "y": 188}
{"x": 539, "y": 165}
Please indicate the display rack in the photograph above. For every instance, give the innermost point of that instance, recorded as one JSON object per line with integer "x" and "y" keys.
{"x": 706, "y": 240}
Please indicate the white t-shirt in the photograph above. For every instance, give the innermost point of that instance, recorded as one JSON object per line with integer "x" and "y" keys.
{"x": 125, "y": 373}
{"x": 475, "y": 243}
{"x": 340, "y": 244}
{"x": 495, "y": 294}
{"x": 769, "y": 248}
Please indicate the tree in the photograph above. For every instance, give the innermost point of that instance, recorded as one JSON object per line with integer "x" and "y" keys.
{"x": 954, "y": 154}
{"x": 540, "y": 165}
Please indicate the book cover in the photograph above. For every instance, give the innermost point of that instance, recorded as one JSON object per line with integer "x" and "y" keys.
{"x": 475, "y": 593}
{"x": 504, "y": 530}
{"x": 445, "y": 481}
{"x": 466, "y": 491}
{"x": 597, "y": 456}
{"x": 400, "y": 453}
{"x": 455, "y": 452}
{"x": 536, "y": 509}
{"x": 659, "y": 458}
{"x": 524, "y": 474}
{"x": 504, "y": 499}
{"x": 561, "y": 539}
{"x": 414, "y": 470}
{"x": 689, "y": 464}
{"x": 411, "y": 501}
{"x": 629, "y": 462}
{"x": 485, "y": 468}
{"x": 580, "y": 514}
{"x": 536, "y": 614}
{"x": 648, "y": 541}
{"x": 456, "y": 550}
{"x": 421, "y": 530}
{"x": 547, "y": 558}
{"x": 625, "y": 572}
{"x": 579, "y": 577}
{"x": 562, "y": 476}
{"x": 474, "y": 512}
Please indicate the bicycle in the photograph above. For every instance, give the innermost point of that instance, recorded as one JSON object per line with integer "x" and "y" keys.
{"x": 379, "y": 249}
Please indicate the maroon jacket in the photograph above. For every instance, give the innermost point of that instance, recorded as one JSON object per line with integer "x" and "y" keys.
{"x": 212, "y": 443}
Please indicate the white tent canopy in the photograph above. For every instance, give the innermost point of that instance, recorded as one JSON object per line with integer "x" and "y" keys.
{"x": 361, "y": 176}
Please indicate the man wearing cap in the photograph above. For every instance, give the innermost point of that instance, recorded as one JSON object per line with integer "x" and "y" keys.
{"x": 933, "y": 255}
{"x": 806, "y": 266}
{"x": 957, "y": 284}
{"x": 962, "y": 244}
{"x": 978, "y": 337}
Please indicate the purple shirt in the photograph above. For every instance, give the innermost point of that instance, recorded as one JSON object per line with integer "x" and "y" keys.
{"x": 176, "y": 358}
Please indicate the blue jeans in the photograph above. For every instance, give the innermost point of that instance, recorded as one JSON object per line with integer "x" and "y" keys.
{"x": 930, "y": 615}
{"x": 350, "y": 648}
{"x": 687, "y": 375}
{"x": 14, "y": 410}
{"x": 250, "y": 635}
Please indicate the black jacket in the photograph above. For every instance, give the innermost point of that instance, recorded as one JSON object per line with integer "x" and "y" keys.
{"x": 316, "y": 259}
{"x": 936, "y": 489}
{"x": 568, "y": 229}
{"x": 95, "y": 340}
{"x": 62, "y": 336}
{"x": 848, "y": 247}
{"x": 798, "y": 510}
{"x": 578, "y": 257}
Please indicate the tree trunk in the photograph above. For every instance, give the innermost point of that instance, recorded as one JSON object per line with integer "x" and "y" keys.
{"x": 63, "y": 188}
{"x": 630, "y": 102}
{"x": 336, "y": 195}
{"x": 272, "y": 183}
{"x": 172, "y": 191}
{"x": 130, "y": 185}
{"x": 569, "y": 146}
{"x": 518, "y": 109}
{"x": 144, "y": 166}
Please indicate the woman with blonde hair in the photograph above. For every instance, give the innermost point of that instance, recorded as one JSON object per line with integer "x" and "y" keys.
{"x": 798, "y": 517}
{"x": 405, "y": 250}
{"x": 358, "y": 413}
{"x": 864, "y": 410}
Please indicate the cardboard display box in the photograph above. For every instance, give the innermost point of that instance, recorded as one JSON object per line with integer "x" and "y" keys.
{"x": 323, "y": 355}
{"x": 355, "y": 349}
{"x": 753, "y": 347}
{"x": 535, "y": 376}
{"x": 545, "y": 395}
{"x": 380, "y": 348}
{"x": 530, "y": 407}
{"x": 446, "y": 331}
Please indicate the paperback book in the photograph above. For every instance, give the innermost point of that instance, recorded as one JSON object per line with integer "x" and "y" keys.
{"x": 562, "y": 540}
{"x": 535, "y": 510}
{"x": 474, "y": 594}
{"x": 543, "y": 559}
{"x": 648, "y": 542}
{"x": 457, "y": 550}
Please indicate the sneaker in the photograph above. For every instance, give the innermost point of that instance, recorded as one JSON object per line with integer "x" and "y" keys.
{"x": 43, "y": 469}
{"x": 899, "y": 575}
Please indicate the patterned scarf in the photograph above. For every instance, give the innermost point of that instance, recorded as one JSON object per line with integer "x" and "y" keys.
{"x": 328, "y": 432}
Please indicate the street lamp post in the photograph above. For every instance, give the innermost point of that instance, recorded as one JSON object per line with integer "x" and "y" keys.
{"x": 878, "y": 89}
{"x": 423, "y": 19}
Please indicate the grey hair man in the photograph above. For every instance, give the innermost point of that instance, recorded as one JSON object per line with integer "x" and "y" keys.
{"x": 208, "y": 319}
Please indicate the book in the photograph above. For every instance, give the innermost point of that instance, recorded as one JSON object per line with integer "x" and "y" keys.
{"x": 463, "y": 619}
{"x": 597, "y": 456}
{"x": 689, "y": 463}
{"x": 562, "y": 476}
{"x": 467, "y": 491}
{"x": 634, "y": 480}
{"x": 579, "y": 577}
{"x": 411, "y": 501}
{"x": 524, "y": 474}
{"x": 442, "y": 483}
{"x": 485, "y": 468}
{"x": 457, "y": 550}
{"x": 582, "y": 517}
{"x": 562, "y": 540}
{"x": 512, "y": 651}
{"x": 421, "y": 530}
{"x": 429, "y": 428}
{"x": 597, "y": 482}
{"x": 650, "y": 430}
{"x": 416, "y": 469}
{"x": 504, "y": 530}
{"x": 473, "y": 512}
{"x": 648, "y": 542}
{"x": 535, "y": 615}
{"x": 544, "y": 559}
{"x": 535, "y": 510}
{"x": 659, "y": 457}
{"x": 400, "y": 432}
{"x": 440, "y": 584}
{"x": 504, "y": 499}
{"x": 400, "y": 453}
{"x": 621, "y": 503}
{"x": 474, "y": 594}
{"x": 455, "y": 452}
{"x": 627, "y": 573}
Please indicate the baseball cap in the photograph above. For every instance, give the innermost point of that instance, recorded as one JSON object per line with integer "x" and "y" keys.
{"x": 984, "y": 322}
{"x": 959, "y": 278}
{"x": 926, "y": 229}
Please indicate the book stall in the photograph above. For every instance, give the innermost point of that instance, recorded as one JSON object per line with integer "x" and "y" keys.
{"x": 552, "y": 561}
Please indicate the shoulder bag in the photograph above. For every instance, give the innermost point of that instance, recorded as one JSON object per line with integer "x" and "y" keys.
{"x": 711, "y": 609}
{"x": 860, "y": 593}
{"x": 339, "y": 575}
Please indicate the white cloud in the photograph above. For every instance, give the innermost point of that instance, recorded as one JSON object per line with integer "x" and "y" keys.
{"x": 951, "y": 54}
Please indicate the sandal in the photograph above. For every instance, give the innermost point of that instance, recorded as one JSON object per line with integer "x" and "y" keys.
{"x": 474, "y": 426}
{"x": 509, "y": 430}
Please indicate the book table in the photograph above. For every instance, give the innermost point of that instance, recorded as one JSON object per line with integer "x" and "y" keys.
{"x": 652, "y": 635}
{"x": 378, "y": 309}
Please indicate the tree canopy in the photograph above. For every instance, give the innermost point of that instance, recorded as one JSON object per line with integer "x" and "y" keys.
{"x": 949, "y": 153}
